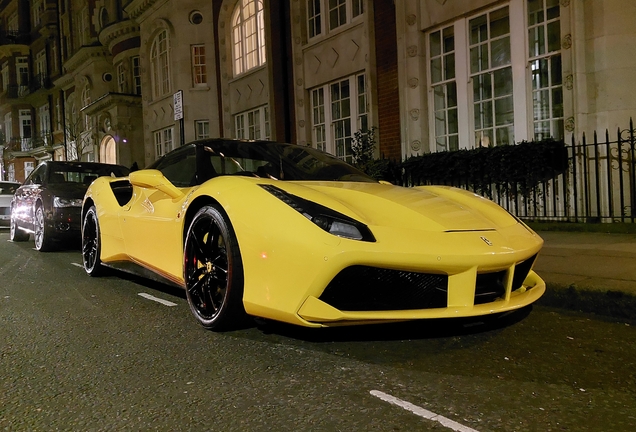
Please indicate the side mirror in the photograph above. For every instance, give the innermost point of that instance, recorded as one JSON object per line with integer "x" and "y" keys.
{"x": 154, "y": 179}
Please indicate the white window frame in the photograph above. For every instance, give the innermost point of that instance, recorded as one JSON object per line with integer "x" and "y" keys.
{"x": 199, "y": 69}
{"x": 11, "y": 172}
{"x": 22, "y": 71}
{"x": 546, "y": 88}
{"x": 86, "y": 100}
{"x": 122, "y": 82}
{"x": 521, "y": 81}
{"x": 53, "y": 57}
{"x": 8, "y": 127}
{"x": 136, "y": 74}
{"x": 201, "y": 129}
{"x": 83, "y": 27}
{"x": 26, "y": 121}
{"x": 164, "y": 141}
{"x": 253, "y": 124}
{"x": 320, "y": 13}
{"x": 336, "y": 121}
{"x": 40, "y": 66}
{"x": 29, "y": 166}
{"x": 160, "y": 64}
{"x": 44, "y": 118}
{"x": 5, "y": 76}
{"x": 38, "y": 9}
{"x": 248, "y": 36}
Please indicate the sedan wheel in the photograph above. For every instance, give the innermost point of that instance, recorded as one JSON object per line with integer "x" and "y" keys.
{"x": 16, "y": 234}
{"x": 43, "y": 240}
{"x": 213, "y": 271}
{"x": 91, "y": 244}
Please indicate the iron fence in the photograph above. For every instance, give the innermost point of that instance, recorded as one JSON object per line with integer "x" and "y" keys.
{"x": 599, "y": 184}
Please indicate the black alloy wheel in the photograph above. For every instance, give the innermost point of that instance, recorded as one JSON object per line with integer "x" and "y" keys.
{"x": 213, "y": 271}
{"x": 91, "y": 244}
{"x": 43, "y": 240}
{"x": 15, "y": 233}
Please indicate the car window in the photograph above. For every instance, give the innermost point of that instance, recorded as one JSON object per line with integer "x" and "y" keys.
{"x": 8, "y": 188}
{"x": 180, "y": 168}
{"x": 37, "y": 176}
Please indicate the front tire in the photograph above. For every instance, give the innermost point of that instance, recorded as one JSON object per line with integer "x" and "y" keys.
{"x": 91, "y": 244}
{"x": 213, "y": 271}
{"x": 43, "y": 240}
{"x": 15, "y": 233}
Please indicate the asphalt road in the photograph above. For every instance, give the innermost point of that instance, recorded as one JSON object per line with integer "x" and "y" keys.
{"x": 92, "y": 354}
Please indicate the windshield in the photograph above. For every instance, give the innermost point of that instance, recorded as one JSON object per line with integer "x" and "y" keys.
{"x": 278, "y": 161}
{"x": 8, "y": 188}
{"x": 83, "y": 173}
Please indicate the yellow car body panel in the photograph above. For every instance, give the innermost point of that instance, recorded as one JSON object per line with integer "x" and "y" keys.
{"x": 293, "y": 269}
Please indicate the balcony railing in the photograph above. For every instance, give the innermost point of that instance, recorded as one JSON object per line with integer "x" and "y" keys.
{"x": 25, "y": 144}
{"x": 13, "y": 37}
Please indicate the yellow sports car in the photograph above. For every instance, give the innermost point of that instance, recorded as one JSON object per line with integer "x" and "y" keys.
{"x": 292, "y": 234}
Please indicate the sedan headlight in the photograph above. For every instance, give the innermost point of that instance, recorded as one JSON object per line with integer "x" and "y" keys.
{"x": 329, "y": 220}
{"x": 67, "y": 202}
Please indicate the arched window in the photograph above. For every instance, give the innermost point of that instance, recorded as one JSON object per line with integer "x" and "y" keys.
{"x": 159, "y": 65}
{"x": 248, "y": 35}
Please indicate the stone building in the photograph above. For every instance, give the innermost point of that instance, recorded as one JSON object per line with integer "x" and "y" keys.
{"x": 127, "y": 81}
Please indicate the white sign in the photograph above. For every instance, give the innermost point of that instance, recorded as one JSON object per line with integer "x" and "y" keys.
{"x": 178, "y": 105}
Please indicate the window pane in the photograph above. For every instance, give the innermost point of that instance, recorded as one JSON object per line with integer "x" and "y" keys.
{"x": 436, "y": 70}
{"x": 453, "y": 123}
{"x": 504, "y": 111}
{"x": 535, "y": 12}
{"x": 478, "y": 30}
{"x": 553, "y": 9}
{"x": 499, "y": 23}
{"x": 500, "y": 52}
{"x": 536, "y": 39}
{"x": 503, "y": 82}
{"x": 449, "y": 66}
{"x": 482, "y": 87}
{"x": 556, "y": 73}
{"x": 479, "y": 58}
{"x": 554, "y": 36}
{"x": 436, "y": 44}
{"x": 449, "y": 39}
{"x": 451, "y": 90}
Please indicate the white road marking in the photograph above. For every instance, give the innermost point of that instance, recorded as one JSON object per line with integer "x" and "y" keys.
{"x": 422, "y": 412}
{"x": 157, "y": 299}
{"x": 78, "y": 265}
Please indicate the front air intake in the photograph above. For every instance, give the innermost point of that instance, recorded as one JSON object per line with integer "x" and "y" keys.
{"x": 364, "y": 288}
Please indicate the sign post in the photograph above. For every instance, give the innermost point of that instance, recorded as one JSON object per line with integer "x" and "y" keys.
{"x": 177, "y": 100}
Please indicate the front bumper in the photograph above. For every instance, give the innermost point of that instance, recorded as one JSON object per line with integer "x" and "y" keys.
{"x": 65, "y": 222}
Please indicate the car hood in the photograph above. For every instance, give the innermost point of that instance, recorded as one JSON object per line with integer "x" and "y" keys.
{"x": 434, "y": 208}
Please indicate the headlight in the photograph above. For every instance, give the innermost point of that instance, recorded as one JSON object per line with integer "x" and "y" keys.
{"x": 329, "y": 220}
{"x": 67, "y": 202}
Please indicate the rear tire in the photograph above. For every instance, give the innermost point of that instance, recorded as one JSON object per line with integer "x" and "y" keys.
{"x": 213, "y": 271}
{"x": 91, "y": 244}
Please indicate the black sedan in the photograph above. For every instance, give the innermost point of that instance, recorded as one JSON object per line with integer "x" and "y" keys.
{"x": 49, "y": 203}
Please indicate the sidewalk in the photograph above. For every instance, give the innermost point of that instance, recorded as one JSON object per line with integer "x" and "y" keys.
{"x": 589, "y": 271}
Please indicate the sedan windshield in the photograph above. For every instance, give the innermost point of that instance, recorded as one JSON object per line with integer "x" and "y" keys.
{"x": 8, "y": 188}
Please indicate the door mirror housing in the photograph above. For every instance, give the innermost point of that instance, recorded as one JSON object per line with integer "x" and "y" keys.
{"x": 154, "y": 179}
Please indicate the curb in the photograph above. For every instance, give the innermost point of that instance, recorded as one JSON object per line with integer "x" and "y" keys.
{"x": 611, "y": 304}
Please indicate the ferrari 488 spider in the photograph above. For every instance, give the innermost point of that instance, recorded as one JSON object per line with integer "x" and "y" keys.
{"x": 292, "y": 234}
